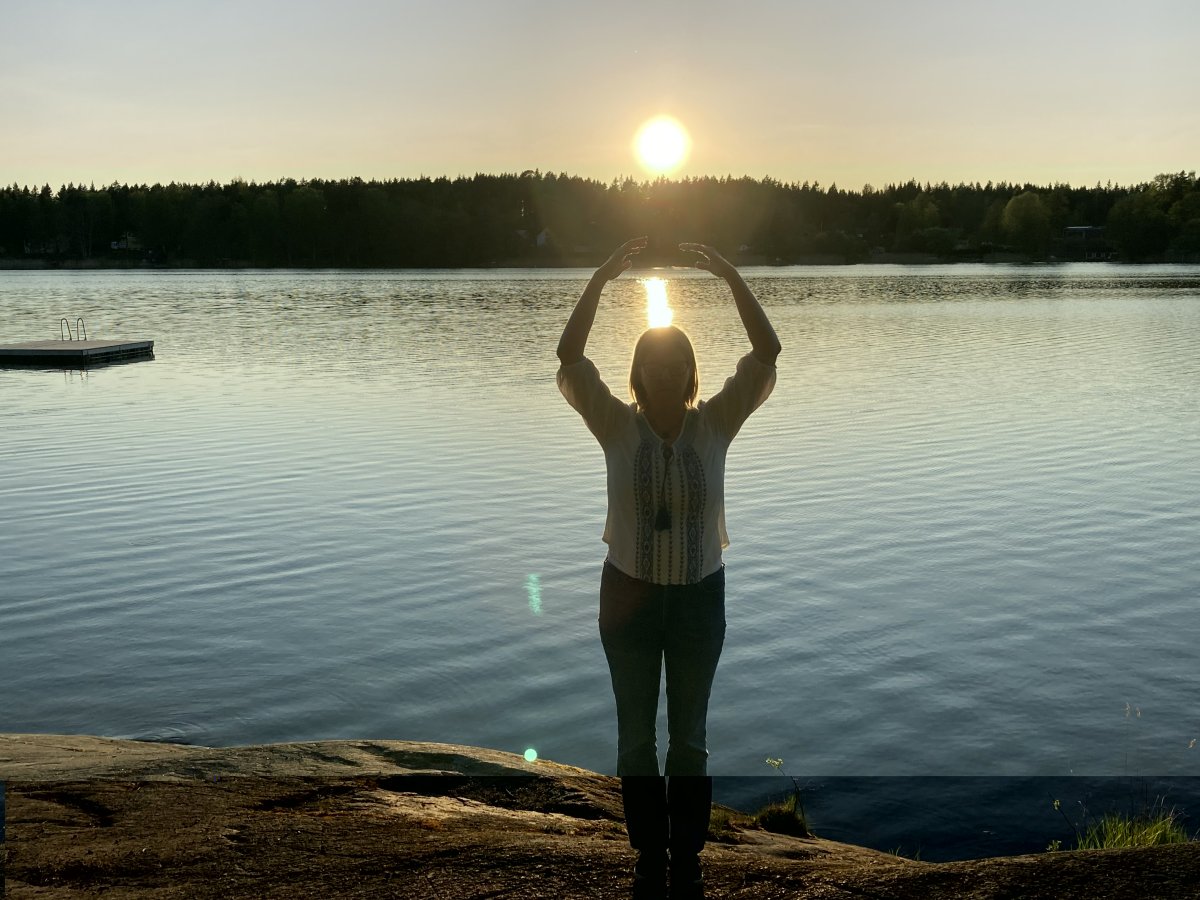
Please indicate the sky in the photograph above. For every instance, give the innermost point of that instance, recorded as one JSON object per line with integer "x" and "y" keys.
{"x": 845, "y": 92}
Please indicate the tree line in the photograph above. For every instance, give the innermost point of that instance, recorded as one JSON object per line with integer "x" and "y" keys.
{"x": 545, "y": 218}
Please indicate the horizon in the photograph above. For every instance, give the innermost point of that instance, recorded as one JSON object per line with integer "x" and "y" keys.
{"x": 845, "y": 93}
{"x": 642, "y": 181}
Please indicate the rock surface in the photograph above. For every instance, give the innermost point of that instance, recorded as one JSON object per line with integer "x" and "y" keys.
{"x": 91, "y": 816}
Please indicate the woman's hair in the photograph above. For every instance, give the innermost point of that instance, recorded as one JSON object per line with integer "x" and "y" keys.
{"x": 652, "y": 340}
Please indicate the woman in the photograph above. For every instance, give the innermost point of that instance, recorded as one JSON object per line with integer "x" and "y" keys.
{"x": 662, "y": 593}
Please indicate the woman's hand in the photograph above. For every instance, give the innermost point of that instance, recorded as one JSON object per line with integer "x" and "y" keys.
{"x": 710, "y": 259}
{"x": 758, "y": 327}
{"x": 622, "y": 258}
{"x": 574, "y": 337}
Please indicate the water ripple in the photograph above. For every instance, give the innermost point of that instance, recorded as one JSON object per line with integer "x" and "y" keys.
{"x": 963, "y": 527}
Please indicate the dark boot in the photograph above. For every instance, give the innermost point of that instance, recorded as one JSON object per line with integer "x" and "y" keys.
{"x": 650, "y": 877}
{"x": 645, "y": 799}
{"x": 689, "y": 803}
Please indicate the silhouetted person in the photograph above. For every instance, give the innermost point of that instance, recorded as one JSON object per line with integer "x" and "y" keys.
{"x": 662, "y": 592}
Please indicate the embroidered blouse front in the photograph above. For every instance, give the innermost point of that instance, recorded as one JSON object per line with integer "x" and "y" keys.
{"x": 652, "y": 484}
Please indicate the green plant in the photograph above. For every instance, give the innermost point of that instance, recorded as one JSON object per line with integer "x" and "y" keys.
{"x": 1131, "y": 713}
{"x": 723, "y": 824}
{"x": 788, "y": 816}
{"x": 1115, "y": 831}
{"x": 784, "y": 817}
{"x": 1150, "y": 827}
{"x": 1145, "y": 826}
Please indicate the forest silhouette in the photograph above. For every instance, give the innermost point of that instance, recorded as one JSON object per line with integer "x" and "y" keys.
{"x": 536, "y": 218}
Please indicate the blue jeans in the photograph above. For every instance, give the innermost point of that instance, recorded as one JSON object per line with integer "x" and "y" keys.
{"x": 641, "y": 626}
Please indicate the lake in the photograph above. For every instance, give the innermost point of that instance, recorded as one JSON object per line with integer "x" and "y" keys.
{"x": 345, "y": 504}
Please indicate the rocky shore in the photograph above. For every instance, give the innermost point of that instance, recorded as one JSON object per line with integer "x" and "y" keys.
{"x": 91, "y": 816}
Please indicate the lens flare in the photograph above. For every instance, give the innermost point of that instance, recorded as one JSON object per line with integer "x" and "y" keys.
{"x": 531, "y": 755}
{"x": 533, "y": 589}
{"x": 658, "y": 311}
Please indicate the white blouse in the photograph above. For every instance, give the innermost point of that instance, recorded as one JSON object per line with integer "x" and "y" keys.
{"x": 687, "y": 477}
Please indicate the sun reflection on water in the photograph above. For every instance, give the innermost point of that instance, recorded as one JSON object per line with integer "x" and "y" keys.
{"x": 658, "y": 311}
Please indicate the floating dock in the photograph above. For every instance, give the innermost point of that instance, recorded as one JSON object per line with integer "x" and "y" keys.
{"x": 72, "y": 354}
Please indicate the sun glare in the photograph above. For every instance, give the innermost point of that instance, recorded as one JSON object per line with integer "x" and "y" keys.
{"x": 661, "y": 145}
{"x": 658, "y": 311}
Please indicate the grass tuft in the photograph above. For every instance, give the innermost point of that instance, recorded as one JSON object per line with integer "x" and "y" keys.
{"x": 787, "y": 817}
{"x": 1117, "y": 832}
{"x": 784, "y": 817}
{"x": 724, "y": 824}
{"x": 1153, "y": 826}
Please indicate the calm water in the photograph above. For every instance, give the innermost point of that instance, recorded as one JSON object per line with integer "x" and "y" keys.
{"x": 351, "y": 505}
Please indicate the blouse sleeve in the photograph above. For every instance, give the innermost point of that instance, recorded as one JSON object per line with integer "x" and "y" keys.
{"x": 743, "y": 392}
{"x": 583, "y": 388}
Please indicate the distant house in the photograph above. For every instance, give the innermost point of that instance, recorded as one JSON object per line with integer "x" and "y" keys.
{"x": 127, "y": 242}
{"x": 1086, "y": 242}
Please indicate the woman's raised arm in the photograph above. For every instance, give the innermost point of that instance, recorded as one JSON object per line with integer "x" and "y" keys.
{"x": 579, "y": 326}
{"x": 763, "y": 339}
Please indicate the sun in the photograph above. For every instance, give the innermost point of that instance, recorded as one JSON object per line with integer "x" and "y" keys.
{"x": 661, "y": 145}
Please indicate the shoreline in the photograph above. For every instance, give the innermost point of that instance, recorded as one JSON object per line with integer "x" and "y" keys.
{"x": 30, "y": 758}
{"x": 327, "y": 818}
{"x": 588, "y": 263}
